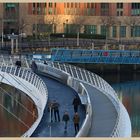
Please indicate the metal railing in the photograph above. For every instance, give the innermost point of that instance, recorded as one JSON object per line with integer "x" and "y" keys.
{"x": 38, "y": 91}
{"x": 80, "y": 89}
{"x": 11, "y": 60}
{"x": 95, "y": 56}
{"x": 97, "y": 82}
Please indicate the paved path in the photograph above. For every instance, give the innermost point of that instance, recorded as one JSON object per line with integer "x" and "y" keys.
{"x": 104, "y": 113}
{"x": 64, "y": 95}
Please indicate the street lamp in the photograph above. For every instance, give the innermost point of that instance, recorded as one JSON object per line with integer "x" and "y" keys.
{"x": 67, "y": 26}
{"x": 63, "y": 38}
{"x": 2, "y": 41}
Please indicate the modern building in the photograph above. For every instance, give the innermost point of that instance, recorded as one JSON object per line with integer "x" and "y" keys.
{"x": 115, "y": 20}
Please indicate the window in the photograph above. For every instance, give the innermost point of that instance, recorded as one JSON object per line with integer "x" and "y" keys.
{"x": 119, "y": 13}
{"x": 34, "y": 5}
{"x": 75, "y": 5}
{"x": 90, "y": 29}
{"x": 104, "y": 30}
{"x": 135, "y": 5}
{"x": 105, "y": 5}
{"x": 122, "y": 31}
{"x": 88, "y": 5}
{"x": 38, "y": 4}
{"x": 71, "y": 5}
{"x": 50, "y": 11}
{"x": 50, "y": 4}
{"x": 114, "y": 31}
{"x": 38, "y": 8}
{"x": 92, "y": 5}
{"x": 68, "y": 5}
{"x": 44, "y": 28}
{"x": 104, "y": 9}
{"x": 135, "y": 31}
{"x": 33, "y": 8}
{"x": 119, "y": 5}
{"x": 71, "y": 28}
{"x": 135, "y": 9}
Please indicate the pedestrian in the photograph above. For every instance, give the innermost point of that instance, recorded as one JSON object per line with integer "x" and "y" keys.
{"x": 34, "y": 66}
{"x": 18, "y": 63}
{"x": 76, "y": 120}
{"x": 65, "y": 118}
{"x": 51, "y": 110}
{"x": 76, "y": 103}
{"x": 56, "y": 110}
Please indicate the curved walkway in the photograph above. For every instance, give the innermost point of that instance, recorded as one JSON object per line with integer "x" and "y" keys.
{"x": 64, "y": 95}
{"x": 104, "y": 113}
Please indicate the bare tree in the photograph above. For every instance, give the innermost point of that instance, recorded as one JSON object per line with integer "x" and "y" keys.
{"x": 79, "y": 23}
{"x": 21, "y": 26}
{"x": 132, "y": 22}
{"x": 108, "y": 22}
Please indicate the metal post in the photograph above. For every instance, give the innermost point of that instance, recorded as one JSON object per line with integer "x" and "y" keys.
{"x": 92, "y": 45}
{"x": 16, "y": 45}
{"x": 2, "y": 34}
{"x": 12, "y": 46}
{"x": 78, "y": 38}
{"x": 49, "y": 39}
{"x": 50, "y": 122}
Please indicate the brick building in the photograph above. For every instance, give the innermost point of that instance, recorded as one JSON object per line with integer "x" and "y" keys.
{"x": 116, "y": 20}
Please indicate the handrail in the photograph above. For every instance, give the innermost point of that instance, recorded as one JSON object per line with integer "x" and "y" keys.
{"x": 38, "y": 85}
{"x": 79, "y": 88}
{"x": 106, "y": 89}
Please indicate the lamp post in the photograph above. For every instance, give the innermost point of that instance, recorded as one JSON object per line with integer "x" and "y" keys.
{"x": 67, "y": 30}
{"x": 2, "y": 34}
{"x": 106, "y": 37}
{"x": 63, "y": 38}
{"x": 2, "y": 41}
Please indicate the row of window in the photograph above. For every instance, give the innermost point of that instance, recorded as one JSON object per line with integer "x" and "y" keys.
{"x": 88, "y": 29}
{"x": 89, "y": 9}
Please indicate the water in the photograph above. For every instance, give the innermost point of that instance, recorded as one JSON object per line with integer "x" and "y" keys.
{"x": 13, "y": 105}
{"x": 127, "y": 86}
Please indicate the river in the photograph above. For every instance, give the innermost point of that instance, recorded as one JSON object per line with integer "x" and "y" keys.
{"x": 127, "y": 86}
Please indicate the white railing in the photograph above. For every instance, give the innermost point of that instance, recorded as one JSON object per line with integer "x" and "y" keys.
{"x": 102, "y": 85}
{"x": 31, "y": 84}
{"x": 78, "y": 87}
{"x": 11, "y": 60}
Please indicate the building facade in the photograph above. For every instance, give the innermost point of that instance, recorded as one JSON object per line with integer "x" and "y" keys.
{"x": 115, "y": 20}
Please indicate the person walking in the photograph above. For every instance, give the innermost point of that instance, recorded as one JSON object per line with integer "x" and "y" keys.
{"x": 65, "y": 118}
{"x": 34, "y": 66}
{"x": 56, "y": 110}
{"x": 76, "y": 120}
{"x": 76, "y": 103}
{"x": 51, "y": 110}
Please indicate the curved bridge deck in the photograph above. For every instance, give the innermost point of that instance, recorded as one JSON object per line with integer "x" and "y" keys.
{"x": 104, "y": 117}
{"x": 104, "y": 113}
{"x": 64, "y": 95}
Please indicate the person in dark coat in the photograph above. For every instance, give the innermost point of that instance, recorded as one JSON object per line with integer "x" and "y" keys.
{"x": 76, "y": 120}
{"x": 51, "y": 110}
{"x": 18, "y": 64}
{"x": 56, "y": 111}
{"x": 66, "y": 118}
{"x": 34, "y": 66}
{"x": 76, "y": 103}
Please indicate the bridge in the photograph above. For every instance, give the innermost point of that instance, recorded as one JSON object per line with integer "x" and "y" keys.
{"x": 95, "y": 56}
{"x": 102, "y": 114}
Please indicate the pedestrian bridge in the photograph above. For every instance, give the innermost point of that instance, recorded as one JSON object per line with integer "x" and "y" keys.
{"x": 95, "y": 56}
{"x": 102, "y": 114}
